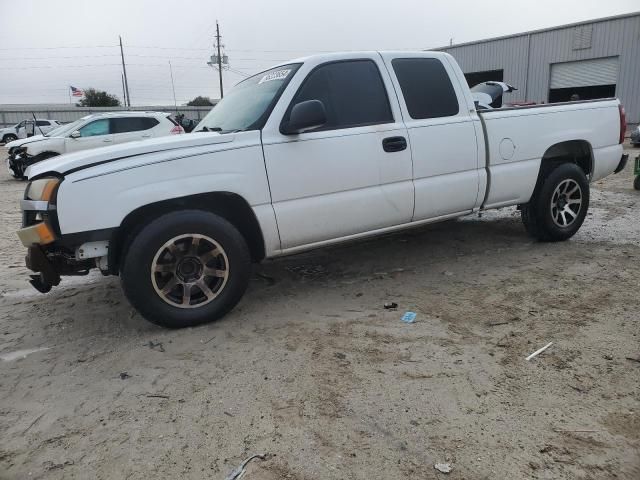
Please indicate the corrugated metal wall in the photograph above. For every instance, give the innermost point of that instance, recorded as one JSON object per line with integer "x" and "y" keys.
{"x": 11, "y": 115}
{"x": 607, "y": 38}
{"x": 505, "y": 54}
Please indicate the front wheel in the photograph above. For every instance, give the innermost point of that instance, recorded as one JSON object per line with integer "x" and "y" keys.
{"x": 186, "y": 268}
{"x": 9, "y": 137}
{"x": 636, "y": 183}
{"x": 559, "y": 205}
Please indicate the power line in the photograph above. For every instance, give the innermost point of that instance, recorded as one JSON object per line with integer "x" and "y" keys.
{"x": 109, "y": 65}
{"x": 68, "y": 66}
{"x": 58, "y": 48}
{"x": 237, "y": 72}
{"x": 56, "y": 58}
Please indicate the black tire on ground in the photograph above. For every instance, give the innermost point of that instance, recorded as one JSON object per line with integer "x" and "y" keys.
{"x": 636, "y": 183}
{"x": 546, "y": 216}
{"x": 148, "y": 249}
{"x": 9, "y": 137}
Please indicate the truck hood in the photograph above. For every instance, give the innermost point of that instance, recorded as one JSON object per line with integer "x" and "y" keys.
{"x": 99, "y": 156}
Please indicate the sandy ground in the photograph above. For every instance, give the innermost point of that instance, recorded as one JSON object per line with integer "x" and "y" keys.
{"x": 313, "y": 371}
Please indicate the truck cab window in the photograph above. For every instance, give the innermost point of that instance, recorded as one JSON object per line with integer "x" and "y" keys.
{"x": 426, "y": 87}
{"x": 352, "y": 92}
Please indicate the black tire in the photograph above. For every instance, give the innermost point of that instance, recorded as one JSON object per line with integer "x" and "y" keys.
{"x": 636, "y": 183}
{"x": 9, "y": 137}
{"x": 147, "y": 247}
{"x": 538, "y": 215}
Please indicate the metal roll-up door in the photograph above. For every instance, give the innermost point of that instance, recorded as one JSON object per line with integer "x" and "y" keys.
{"x": 585, "y": 73}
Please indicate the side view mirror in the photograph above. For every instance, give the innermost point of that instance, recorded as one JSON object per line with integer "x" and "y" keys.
{"x": 305, "y": 116}
{"x": 75, "y": 134}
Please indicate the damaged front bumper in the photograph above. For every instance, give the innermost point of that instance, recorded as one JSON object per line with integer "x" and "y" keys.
{"x": 18, "y": 161}
{"x": 51, "y": 255}
{"x": 47, "y": 276}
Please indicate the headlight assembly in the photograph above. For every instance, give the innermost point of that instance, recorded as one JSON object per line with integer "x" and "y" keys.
{"x": 43, "y": 189}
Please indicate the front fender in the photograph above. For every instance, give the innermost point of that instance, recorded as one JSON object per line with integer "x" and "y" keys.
{"x": 101, "y": 200}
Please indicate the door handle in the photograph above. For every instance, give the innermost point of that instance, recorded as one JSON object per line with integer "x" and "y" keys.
{"x": 394, "y": 144}
{"x": 107, "y": 140}
{"x": 148, "y": 135}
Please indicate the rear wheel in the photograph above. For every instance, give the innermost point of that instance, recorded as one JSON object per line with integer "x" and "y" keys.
{"x": 186, "y": 268}
{"x": 559, "y": 205}
{"x": 636, "y": 183}
{"x": 9, "y": 137}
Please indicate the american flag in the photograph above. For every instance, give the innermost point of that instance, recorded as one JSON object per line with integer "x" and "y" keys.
{"x": 76, "y": 92}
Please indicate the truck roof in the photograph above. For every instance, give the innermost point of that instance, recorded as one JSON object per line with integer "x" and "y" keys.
{"x": 344, "y": 55}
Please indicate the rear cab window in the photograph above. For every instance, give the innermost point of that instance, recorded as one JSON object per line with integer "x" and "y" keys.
{"x": 426, "y": 88}
{"x": 352, "y": 91}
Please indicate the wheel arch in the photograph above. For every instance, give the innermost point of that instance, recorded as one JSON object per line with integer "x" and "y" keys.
{"x": 578, "y": 151}
{"x": 9, "y": 134}
{"x": 231, "y": 206}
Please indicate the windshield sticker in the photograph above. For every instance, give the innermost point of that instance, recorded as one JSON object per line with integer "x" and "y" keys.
{"x": 277, "y": 75}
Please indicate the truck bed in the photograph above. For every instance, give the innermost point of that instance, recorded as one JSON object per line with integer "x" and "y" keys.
{"x": 518, "y": 138}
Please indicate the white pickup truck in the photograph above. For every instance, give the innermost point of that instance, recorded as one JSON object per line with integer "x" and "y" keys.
{"x": 312, "y": 152}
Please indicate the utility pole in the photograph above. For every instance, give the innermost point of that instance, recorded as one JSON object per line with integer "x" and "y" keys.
{"x": 124, "y": 93}
{"x": 219, "y": 59}
{"x": 124, "y": 72}
{"x": 175, "y": 104}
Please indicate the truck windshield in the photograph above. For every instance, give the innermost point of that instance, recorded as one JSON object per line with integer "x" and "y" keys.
{"x": 248, "y": 105}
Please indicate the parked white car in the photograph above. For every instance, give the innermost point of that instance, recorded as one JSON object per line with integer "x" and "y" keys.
{"x": 315, "y": 151}
{"x": 28, "y": 128}
{"x": 92, "y": 131}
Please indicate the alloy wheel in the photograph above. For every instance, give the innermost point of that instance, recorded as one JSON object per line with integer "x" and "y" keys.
{"x": 566, "y": 203}
{"x": 189, "y": 270}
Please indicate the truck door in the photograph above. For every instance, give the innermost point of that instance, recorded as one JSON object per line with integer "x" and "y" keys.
{"x": 442, "y": 135}
{"x": 353, "y": 174}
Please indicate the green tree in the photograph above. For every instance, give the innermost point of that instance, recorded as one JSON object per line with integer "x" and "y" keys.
{"x": 98, "y": 98}
{"x": 200, "y": 101}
